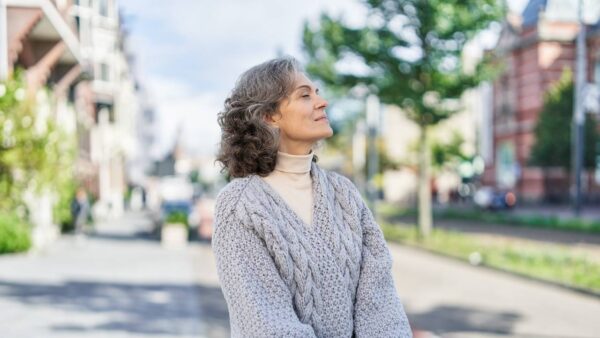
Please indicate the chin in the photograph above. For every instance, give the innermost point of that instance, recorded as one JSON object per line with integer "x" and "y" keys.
{"x": 321, "y": 134}
{"x": 326, "y": 134}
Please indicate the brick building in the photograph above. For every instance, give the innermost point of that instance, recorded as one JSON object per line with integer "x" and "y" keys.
{"x": 535, "y": 48}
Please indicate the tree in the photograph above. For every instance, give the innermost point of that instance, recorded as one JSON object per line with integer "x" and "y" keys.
{"x": 409, "y": 54}
{"x": 35, "y": 153}
{"x": 449, "y": 154}
{"x": 552, "y": 146}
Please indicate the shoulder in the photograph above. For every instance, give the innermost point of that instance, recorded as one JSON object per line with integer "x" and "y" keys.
{"x": 228, "y": 198}
{"x": 230, "y": 214}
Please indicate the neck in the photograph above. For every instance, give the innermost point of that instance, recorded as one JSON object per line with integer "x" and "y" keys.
{"x": 296, "y": 148}
{"x": 295, "y": 164}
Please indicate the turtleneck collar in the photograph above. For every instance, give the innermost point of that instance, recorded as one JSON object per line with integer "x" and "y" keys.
{"x": 295, "y": 164}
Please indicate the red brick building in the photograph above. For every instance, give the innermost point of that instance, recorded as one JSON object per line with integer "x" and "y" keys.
{"x": 535, "y": 49}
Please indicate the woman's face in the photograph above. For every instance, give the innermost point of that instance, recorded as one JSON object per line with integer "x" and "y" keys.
{"x": 301, "y": 119}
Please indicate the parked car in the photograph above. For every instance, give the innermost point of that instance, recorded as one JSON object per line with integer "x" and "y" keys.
{"x": 491, "y": 198}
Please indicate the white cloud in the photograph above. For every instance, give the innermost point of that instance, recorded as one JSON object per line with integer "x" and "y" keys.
{"x": 191, "y": 52}
{"x": 182, "y": 110}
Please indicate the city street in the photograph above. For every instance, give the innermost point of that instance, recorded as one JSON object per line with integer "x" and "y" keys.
{"x": 117, "y": 283}
{"x": 121, "y": 122}
{"x": 121, "y": 283}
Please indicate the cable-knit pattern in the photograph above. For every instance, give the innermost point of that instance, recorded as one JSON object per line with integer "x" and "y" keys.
{"x": 347, "y": 218}
{"x": 282, "y": 278}
{"x": 293, "y": 251}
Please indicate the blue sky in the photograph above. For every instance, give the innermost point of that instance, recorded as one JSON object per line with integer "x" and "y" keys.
{"x": 189, "y": 54}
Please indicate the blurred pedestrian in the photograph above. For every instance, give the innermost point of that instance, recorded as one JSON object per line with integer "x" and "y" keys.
{"x": 298, "y": 252}
{"x": 80, "y": 209}
{"x": 207, "y": 211}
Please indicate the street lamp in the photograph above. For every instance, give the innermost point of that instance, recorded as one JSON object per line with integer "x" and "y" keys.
{"x": 3, "y": 41}
{"x": 578, "y": 115}
{"x": 373, "y": 119}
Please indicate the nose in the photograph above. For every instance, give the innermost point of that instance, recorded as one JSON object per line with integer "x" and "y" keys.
{"x": 321, "y": 103}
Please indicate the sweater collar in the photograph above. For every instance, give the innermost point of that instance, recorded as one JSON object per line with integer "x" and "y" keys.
{"x": 295, "y": 164}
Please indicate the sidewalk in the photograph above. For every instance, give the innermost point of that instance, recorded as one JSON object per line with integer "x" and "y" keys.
{"x": 121, "y": 283}
{"x": 117, "y": 283}
{"x": 455, "y": 300}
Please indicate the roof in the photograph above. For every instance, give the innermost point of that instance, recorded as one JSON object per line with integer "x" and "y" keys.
{"x": 561, "y": 11}
{"x": 531, "y": 12}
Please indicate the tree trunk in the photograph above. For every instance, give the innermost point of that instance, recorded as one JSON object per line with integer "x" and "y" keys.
{"x": 425, "y": 214}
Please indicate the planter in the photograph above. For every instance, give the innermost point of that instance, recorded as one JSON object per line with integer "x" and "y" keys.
{"x": 174, "y": 235}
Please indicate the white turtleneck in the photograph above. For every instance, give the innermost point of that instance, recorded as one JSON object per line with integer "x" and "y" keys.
{"x": 291, "y": 179}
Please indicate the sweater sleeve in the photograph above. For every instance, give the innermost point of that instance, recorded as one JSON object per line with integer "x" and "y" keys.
{"x": 259, "y": 302}
{"x": 378, "y": 311}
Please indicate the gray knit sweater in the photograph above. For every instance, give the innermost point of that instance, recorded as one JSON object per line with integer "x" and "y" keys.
{"x": 283, "y": 278}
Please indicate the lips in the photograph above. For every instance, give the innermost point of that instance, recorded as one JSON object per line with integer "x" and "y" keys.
{"x": 321, "y": 118}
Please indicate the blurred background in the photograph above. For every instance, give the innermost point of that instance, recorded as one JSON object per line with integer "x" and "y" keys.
{"x": 470, "y": 127}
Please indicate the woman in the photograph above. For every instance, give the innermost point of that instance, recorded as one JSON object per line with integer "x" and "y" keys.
{"x": 298, "y": 253}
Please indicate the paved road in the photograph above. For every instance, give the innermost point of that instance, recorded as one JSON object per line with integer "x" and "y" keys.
{"x": 574, "y": 238}
{"x": 118, "y": 283}
{"x": 121, "y": 283}
{"x": 589, "y": 212}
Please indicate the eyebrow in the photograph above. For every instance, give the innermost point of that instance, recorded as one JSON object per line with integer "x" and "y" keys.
{"x": 307, "y": 87}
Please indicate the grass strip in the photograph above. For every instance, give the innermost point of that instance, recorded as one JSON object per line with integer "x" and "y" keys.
{"x": 549, "y": 262}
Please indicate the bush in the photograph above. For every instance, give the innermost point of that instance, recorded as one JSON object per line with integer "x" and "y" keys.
{"x": 177, "y": 217}
{"x": 63, "y": 214}
{"x": 14, "y": 234}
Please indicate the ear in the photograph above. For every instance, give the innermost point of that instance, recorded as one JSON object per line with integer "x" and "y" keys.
{"x": 272, "y": 120}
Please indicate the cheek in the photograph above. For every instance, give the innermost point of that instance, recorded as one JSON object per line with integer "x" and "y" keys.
{"x": 300, "y": 116}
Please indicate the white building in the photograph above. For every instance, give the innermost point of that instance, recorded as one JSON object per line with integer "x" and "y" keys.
{"x": 112, "y": 100}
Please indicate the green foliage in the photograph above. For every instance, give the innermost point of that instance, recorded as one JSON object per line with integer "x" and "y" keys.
{"x": 62, "y": 209}
{"x": 34, "y": 152}
{"x": 194, "y": 176}
{"x": 450, "y": 153}
{"x": 177, "y": 217}
{"x": 410, "y": 50}
{"x": 553, "y": 131}
{"x": 14, "y": 234}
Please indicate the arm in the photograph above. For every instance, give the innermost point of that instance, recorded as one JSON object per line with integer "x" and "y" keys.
{"x": 259, "y": 302}
{"x": 378, "y": 311}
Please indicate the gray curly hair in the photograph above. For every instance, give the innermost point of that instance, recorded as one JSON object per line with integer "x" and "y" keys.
{"x": 248, "y": 144}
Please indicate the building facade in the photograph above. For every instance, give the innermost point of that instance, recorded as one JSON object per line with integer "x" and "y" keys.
{"x": 535, "y": 49}
{"x": 110, "y": 100}
{"x": 77, "y": 67}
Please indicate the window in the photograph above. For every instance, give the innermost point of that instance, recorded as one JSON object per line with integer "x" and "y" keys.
{"x": 504, "y": 103}
{"x": 597, "y": 72}
{"x": 104, "y": 72}
{"x": 78, "y": 23}
{"x": 103, "y": 7}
